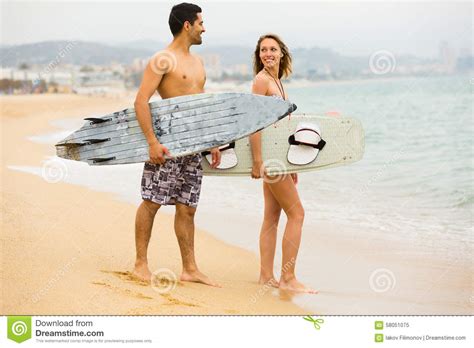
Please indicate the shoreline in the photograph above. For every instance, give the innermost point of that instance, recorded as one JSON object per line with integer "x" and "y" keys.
{"x": 242, "y": 282}
{"x": 244, "y": 86}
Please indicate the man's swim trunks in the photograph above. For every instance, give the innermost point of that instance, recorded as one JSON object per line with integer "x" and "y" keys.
{"x": 178, "y": 180}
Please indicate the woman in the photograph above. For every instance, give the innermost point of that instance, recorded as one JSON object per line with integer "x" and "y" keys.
{"x": 272, "y": 61}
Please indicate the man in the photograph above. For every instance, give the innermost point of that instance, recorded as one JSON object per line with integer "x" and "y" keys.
{"x": 172, "y": 72}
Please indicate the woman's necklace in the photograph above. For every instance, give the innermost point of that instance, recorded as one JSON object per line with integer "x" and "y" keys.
{"x": 281, "y": 89}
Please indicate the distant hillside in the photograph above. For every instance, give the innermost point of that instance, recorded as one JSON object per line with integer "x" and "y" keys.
{"x": 78, "y": 52}
{"x": 142, "y": 45}
{"x": 307, "y": 62}
{"x": 82, "y": 53}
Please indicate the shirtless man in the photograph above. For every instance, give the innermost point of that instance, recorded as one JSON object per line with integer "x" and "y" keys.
{"x": 172, "y": 72}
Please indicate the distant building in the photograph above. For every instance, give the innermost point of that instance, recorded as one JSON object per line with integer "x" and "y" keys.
{"x": 465, "y": 61}
{"x": 447, "y": 57}
{"x": 139, "y": 64}
{"x": 241, "y": 69}
{"x": 237, "y": 70}
{"x": 212, "y": 62}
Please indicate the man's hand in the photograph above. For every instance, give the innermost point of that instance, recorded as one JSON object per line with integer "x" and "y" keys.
{"x": 157, "y": 153}
{"x": 216, "y": 157}
{"x": 257, "y": 171}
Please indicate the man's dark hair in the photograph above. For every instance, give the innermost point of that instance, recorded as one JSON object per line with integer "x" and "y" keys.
{"x": 182, "y": 13}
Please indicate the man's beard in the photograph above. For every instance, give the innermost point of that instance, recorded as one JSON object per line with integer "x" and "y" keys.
{"x": 197, "y": 40}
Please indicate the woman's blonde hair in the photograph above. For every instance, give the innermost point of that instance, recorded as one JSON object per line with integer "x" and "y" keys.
{"x": 285, "y": 68}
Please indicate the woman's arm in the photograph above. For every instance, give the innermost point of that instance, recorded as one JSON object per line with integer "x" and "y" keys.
{"x": 260, "y": 86}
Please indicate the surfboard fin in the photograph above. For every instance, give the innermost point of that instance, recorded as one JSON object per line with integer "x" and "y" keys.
{"x": 96, "y": 141}
{"x": 96, "y": 120}
{"x": 100, "y": 160}
{"x": 70, "y": 144}
{"x": 85, "y": 142}
{"x": 291, "y": 109}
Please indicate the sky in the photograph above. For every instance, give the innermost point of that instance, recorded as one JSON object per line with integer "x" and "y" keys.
{"x": 350, "y": 28}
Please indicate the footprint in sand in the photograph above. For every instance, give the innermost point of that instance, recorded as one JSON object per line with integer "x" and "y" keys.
{"x": 174, "y": 301}
{"x": 129, "y": 277}
{"x": 126, "y": 292}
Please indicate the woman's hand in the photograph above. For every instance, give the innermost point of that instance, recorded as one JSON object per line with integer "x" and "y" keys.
{"x": 294, "y": 176}
{"x": 258, "y": 170}
{"x": 216, "y": 157}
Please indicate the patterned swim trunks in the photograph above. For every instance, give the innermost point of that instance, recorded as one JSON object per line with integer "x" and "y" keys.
{"x": 178, "y": 180}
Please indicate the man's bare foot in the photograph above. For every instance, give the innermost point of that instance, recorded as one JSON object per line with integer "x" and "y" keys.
{"x": 142, "y": 272}
{"x": 296, "y": 286}
{"x": 269, "y": 281}
{"x": 197, "y": 277}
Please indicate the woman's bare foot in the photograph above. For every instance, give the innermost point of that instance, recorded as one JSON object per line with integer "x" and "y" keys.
{"x": 142, "y": 272}
{"x": 269, "y": 281}
{"x": 197, "y": 277}
{"x": 296, "y": 286}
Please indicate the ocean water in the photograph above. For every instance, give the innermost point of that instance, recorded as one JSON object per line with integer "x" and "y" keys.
{"x": 417, "y": 172}
{"x": 415, "y": 181}
{"x": 413, "y": 186}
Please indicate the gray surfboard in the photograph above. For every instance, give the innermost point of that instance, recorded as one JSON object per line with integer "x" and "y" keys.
{"x": 185, "y": 125}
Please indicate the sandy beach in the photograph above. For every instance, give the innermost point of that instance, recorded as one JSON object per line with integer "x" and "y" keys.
{"x": 68, "y": 250}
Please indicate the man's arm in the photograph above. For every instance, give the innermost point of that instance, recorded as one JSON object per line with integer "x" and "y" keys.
{"x": 150, "y": 82}
{"x": 215, "y": 152}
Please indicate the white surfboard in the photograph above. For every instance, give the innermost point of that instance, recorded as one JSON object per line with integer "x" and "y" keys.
{"x": 318, "y": 142}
